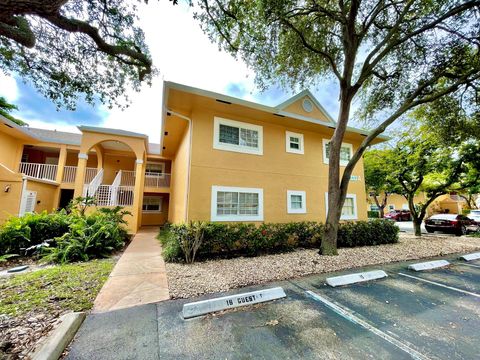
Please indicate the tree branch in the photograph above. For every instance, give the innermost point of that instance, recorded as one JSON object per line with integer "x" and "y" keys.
{"x": 74, "y": 25}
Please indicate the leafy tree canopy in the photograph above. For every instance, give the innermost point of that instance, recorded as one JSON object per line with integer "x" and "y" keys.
{"x": 72, "y": 48}
{"x": 6, "y": 108}
{"x": 423, "y": 162}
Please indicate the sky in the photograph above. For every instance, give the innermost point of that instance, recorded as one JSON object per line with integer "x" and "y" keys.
{"x": 183, "y": 54}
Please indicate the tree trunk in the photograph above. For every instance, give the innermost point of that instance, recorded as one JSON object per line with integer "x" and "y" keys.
{"x": 382, "y": 212}
{"x": 417, "y": 226}
{"x": 336, "y": 192}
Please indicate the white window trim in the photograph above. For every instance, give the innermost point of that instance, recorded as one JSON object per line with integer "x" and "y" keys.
{"x": 355, "y": 209}
{"x": 213, "y": 211}
{"x": 342, "y": 162}
{"x": 162, "y": 165}
{"x": 232, "y": 147}
{"x": 287, "y": 143}
{"x": 302, "y": 210}
{"x": 154, "y": 211}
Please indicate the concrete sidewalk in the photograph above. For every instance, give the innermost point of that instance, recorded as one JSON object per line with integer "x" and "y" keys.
{"x": 139, "y": 277}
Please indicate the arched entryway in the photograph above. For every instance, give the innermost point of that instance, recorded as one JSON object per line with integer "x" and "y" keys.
{"x": 120, "y": 169}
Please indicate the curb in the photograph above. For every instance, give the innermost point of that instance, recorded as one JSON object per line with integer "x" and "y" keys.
{"x": 53, "y": 348}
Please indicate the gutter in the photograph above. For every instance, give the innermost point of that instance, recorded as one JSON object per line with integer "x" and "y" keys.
{"x": 190, "y": 133}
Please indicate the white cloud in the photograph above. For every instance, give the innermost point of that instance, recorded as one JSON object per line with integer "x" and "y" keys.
{"x": 8, "y": 87}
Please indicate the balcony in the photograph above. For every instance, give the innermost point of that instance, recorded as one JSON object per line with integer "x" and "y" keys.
{"x": 154, "y": 180}
{"x": 39, "y": 171}
{"x": 49, "y": 172}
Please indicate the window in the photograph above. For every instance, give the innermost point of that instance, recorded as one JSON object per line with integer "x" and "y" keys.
{"x": 236, "y": 204}
{"x": 155, "y": 169}
{"x": 296, "y": 202}
{"x": 152, "y": 204}
{"x": 391, "y": 207}
{"x": 294, "y": 142}
{"x": 237, "y": 136}
{"x": 345, "y": 152}
{"x": 349, "y": 210}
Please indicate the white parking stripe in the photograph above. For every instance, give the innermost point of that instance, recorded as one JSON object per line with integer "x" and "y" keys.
{"x": 348, "y": 314}
{"x": 441, "y": 285}
{"x": 471, "y": 265}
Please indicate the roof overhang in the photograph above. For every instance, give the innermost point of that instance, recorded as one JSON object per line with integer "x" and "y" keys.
{"x": 168, "y": 85}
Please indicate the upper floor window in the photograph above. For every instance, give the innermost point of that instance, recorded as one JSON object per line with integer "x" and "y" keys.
{"x": 237, "y": 136}
{"x": 155, "y": 169}
{"x": 346, "y": 152}
{"x": 236, "y": 204}
{"x": 294, "y": 142}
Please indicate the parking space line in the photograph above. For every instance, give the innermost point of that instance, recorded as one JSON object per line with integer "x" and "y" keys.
{"x": 349, "y": 315}
{"x": 471, "y": 265}
{"x": 441, "y": 285}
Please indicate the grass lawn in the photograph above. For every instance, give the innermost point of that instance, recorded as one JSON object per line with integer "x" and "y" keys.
{"x": 61, "y": 288}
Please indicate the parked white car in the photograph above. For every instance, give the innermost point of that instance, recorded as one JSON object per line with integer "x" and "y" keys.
{"x": 474, "y": 215}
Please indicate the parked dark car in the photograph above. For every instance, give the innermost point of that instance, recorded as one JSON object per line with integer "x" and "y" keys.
{"x": 450, "y": 223}
{"x": 399, "y": 215}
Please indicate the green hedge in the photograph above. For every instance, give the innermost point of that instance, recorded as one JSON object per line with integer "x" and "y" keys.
{"x": 75, "y": 236}
{"x": 374, "y": 214}
{"x": 32, "y": 229}
{"x": 233, "y": 240}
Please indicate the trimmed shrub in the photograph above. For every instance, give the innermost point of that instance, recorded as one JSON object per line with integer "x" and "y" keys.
{"x": 74, "y": 237}
{"x": 367, "y": 233}
{"x": 32, "y": 229}
{"x": 240, "y": 239}
{"x": 374, "y": 214}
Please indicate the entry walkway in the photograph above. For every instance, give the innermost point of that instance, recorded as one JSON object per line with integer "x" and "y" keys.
{"x": 139, "y": 277}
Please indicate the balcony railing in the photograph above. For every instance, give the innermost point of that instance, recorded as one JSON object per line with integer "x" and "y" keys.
{"x": 39, "y": 171}
{"x": 127, "y": 178}
{"x": 110, "y": 195}
{"x": 69, "y": 174}
{"x": 157, "y": 180}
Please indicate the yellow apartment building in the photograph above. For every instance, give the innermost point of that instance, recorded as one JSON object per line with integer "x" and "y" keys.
{"x": 219, "y": 159}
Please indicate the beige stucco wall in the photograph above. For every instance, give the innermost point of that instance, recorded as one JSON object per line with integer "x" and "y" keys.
{"x": 178, "y": 184}
{"x": 10, "y": 151}
{"x": 114, "y": 163}
{"x": 46, "y": 195}
{"x": 150, "y": 218}
{"x": 9, "y": 201}
{"x": 297, "y": 108}
{"x": 276, "y": 171}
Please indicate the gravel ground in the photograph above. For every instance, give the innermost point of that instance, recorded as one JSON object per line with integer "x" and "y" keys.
{"x": 186, "y": 281}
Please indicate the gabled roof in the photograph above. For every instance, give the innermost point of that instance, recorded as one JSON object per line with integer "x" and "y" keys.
{"x": 110, "y": 131}
{"x": 302, "y": 94}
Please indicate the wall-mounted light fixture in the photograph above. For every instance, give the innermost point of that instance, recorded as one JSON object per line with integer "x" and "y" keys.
{"x": 7, "y": 188}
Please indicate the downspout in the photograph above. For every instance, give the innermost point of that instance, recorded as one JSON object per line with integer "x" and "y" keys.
{"x": 190, "y": 132}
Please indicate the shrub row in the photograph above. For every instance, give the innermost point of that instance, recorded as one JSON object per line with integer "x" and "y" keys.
{"x": 203, "y": 240}
{"x": 71, "y": 236}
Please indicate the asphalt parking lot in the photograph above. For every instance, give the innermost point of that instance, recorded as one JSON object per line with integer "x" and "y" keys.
{"x": 422, "y": 315}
